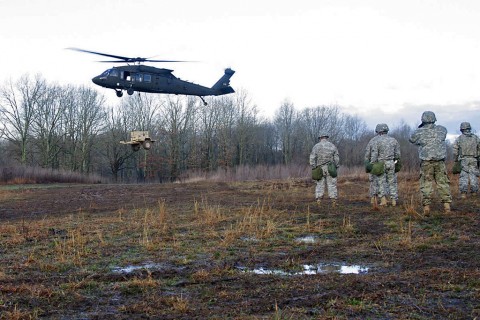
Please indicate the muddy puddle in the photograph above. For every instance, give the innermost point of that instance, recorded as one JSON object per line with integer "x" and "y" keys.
{"x": 321, "y": 268}
{"x": 307, "y": 269}
{"x": 132, "y": 268}
{"x": 307, "y": 239}
{"x": 148, "y": 266}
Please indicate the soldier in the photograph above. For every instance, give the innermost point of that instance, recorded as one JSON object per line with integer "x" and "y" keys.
{"x": 386, "y": 149}
{"x": 432, "y": 152}
{"x": 323, "y": 154}
{"x": 373, "y": 179}
{"x": 466, "y": 150}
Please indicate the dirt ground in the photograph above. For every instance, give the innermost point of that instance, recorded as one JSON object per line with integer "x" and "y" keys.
{"x": 243, "y": 250}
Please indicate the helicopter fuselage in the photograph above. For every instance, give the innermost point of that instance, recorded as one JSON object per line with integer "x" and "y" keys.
{"x": 142, "y": 78}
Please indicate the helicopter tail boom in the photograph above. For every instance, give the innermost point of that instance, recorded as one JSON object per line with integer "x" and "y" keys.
{"x": 222, "y": 86}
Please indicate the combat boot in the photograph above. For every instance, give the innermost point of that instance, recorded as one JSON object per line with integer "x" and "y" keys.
{"x": 383, "y": 201}
{"x": 334, "y": 203}
{"x": 394, "y": 203}
{"x": 463, "y": 196}
{"x": 446, "y": 206}
{"x": 426, "y": 210}
{"x": 373, "y": 200}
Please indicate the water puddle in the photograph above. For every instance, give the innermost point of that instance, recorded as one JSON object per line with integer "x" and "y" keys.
{"x": 132, "y": 268}
{"x": 321, "y": 268}
{"x": 307, "y": 239}
{"x": 334, "y": 268}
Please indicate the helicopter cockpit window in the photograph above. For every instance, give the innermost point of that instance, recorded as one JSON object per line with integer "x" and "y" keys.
{"x": 113, "y": 73}
{"x": 139, "y": 77}
{"x": 105, "y": 74}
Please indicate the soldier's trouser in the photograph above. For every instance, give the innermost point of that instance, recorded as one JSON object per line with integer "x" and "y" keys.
{"x": 431, "y": 171}
{"x": 373, "y": 189}
{"x": 387, "y": 182}
{"x": 331, "y": 184}
{"x": 469, "y": 173}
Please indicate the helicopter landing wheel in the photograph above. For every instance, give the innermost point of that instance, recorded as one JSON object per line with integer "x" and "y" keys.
{"x": 119, "y": 93}
{"x": 130, "y": 91}
{"x": 147, "y": 144}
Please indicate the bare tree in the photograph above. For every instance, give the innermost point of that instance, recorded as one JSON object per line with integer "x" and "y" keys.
{"x": 46, "y": 125}
{"x": 178, "y": 121}
{"x": 409, "y": 152}
{"x": 89, "y": 116}
{"x": 285, "y": 119}
{"x": 143, "y": 111}
{"x": 208, "y": 120}
{"x": 245, "y": 127}
{"x": 326, "y": 118}
{"x": 354, "y": 138}
{"x": 226, "y": 131}
{"x": 18, "y": 108}
{"x": 117, "y": 129}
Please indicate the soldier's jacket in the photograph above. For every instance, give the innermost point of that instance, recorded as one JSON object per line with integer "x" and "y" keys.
{"x": 431, "y": 141}
{"x": 385, "y": 148}
{"x": 369, "y": 148}
{"x": 466, "y": 145}
{"x": 324, "y": 152}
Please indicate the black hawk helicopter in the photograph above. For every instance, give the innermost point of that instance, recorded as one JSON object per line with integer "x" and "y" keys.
{"x": 141, "y": 78}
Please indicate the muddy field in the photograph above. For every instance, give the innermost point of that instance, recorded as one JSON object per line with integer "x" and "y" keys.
{"x": 250, "y": 250}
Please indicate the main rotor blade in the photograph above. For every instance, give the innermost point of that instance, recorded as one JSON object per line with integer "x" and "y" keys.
{"x": 165, "y": 60}
{"x": 140, "y": 60}
{"x": 124, "y": 59}
{"x": 101, "y": 54}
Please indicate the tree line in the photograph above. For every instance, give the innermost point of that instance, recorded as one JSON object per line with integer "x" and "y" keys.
{"x": 73, "y": 128}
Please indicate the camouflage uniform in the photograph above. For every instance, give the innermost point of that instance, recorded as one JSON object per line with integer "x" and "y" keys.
{"x": 373, "y": 179}
{"x": 432, "y": 152}
{"x": 323, "y": 153}
{"x": 466, "y": 150}
{"x": 386, "y": 149}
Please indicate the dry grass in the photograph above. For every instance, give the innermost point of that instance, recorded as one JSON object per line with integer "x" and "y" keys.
{"x": 19, "y": 175}
{"x": 347, "y": 225}
{"x": 206, "y": 213}
{"x": 71, "y": 248}
{"x": 257, "y": 222}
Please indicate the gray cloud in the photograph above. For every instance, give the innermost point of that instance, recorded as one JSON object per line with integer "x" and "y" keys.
{"x": 448, "y": 115}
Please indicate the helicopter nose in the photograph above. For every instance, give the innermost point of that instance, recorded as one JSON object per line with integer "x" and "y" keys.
{"x": 96, "y": 80}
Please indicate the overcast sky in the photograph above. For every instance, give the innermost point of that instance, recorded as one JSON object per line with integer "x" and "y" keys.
{"x": 384, "y": 60}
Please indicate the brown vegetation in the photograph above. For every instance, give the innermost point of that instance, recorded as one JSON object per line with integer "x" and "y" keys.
{"x": 18, "y": 175}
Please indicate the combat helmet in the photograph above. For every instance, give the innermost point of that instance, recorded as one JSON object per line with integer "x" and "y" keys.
{"x": 381, "y": 128}
{"x": 322, "y": 134}
{"x": 428, "y": 117}
{"x": 465, "y": 126}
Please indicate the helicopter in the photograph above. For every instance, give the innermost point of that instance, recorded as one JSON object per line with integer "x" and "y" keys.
{"x": 137, "y": 77}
